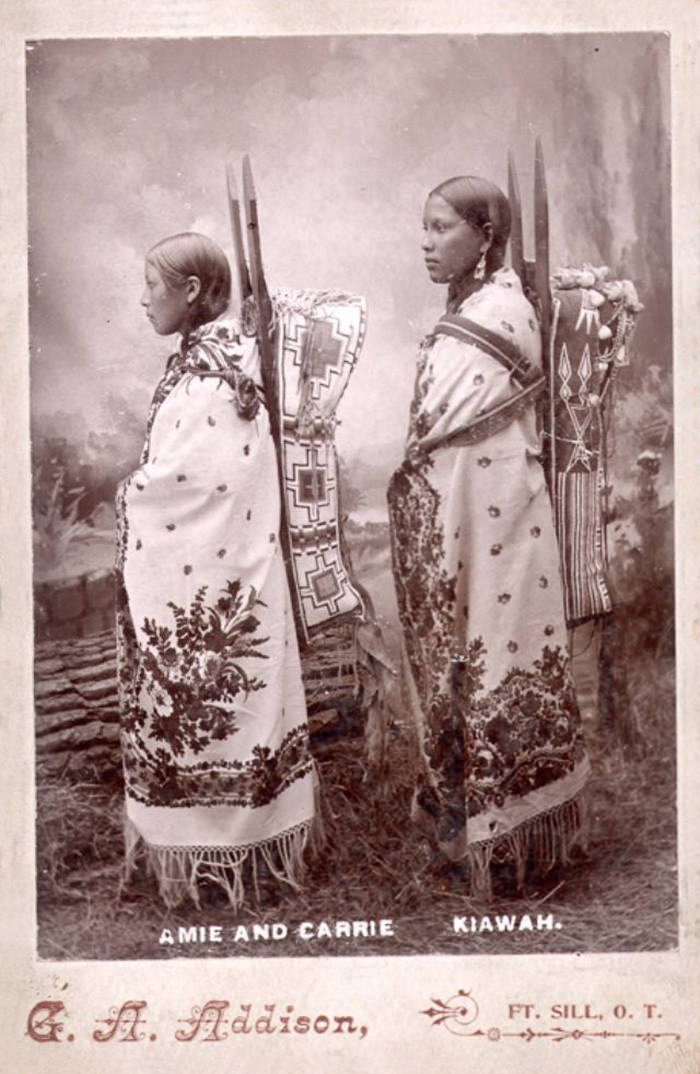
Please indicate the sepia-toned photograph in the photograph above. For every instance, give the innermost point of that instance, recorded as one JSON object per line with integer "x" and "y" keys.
{"x": 351, "y": 387}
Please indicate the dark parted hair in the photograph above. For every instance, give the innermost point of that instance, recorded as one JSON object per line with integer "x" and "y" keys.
{"x": 480, "y": 202}
{"x": 191, "y": 254}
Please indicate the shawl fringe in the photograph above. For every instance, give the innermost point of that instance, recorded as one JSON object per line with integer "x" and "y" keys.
{"x": 544, "y": 841}
{"x": 236, "y": 870}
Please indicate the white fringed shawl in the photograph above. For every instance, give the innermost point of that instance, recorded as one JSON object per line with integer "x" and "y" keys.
{"x": 217, "y": 766}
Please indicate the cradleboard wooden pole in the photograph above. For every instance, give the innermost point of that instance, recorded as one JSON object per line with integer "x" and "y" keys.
{"x": 544, "y": 298}
{"x": 542, "y": 244}
{"x": 517, "y": 256}
{"x": 244, "y": 286}
{"x": 534, "y": 276}
{"x": 251, "y": 278}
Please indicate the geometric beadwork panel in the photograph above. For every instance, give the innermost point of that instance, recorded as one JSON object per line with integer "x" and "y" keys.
{"x": 593, "y": 317}
{"x": 319, "y": 337}
{"x": 575, "y": 428}
{"x": 325, "y": 589}
{"x": 320, "y": 341}
{"x": 581, "y": 534}
{"x": 310, "y": 482}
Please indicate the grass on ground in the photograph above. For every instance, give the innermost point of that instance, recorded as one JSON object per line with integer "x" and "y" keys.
{"x": 374, "y": 866}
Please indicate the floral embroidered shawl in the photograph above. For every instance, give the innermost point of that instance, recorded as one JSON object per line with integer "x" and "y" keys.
{"x": 217, "y": 767}
{"x": 476, "y": 570}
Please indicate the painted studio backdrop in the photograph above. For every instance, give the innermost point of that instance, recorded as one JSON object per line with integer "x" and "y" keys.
{"x": 128, "y": 142}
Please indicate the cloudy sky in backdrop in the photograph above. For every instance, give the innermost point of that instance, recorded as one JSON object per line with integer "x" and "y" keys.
{"x": 128, "y": 141}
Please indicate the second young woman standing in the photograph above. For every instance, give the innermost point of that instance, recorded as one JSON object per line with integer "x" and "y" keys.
{"x": 476, "y": 565}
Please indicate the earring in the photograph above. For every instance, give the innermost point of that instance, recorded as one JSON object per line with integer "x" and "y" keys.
{"x": 480, "y": 270}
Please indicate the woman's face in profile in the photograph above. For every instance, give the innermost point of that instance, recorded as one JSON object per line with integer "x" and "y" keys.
{"x": 451, "y": 247}
{"x": 166, "y": 308}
